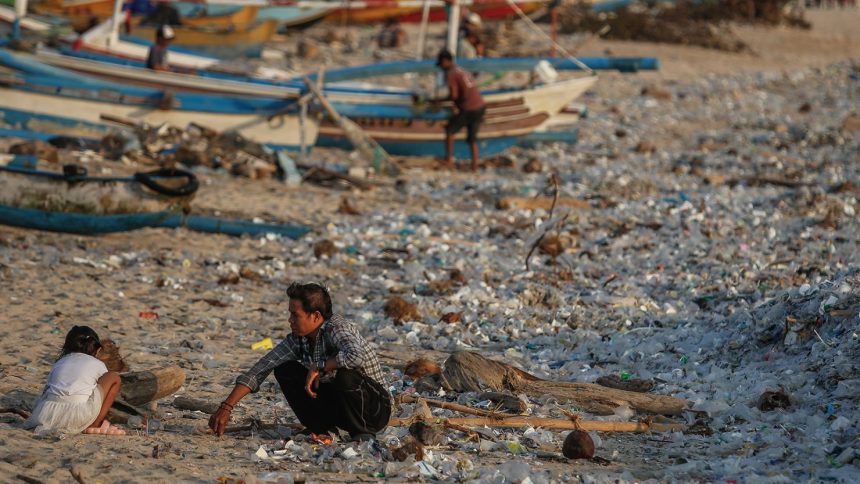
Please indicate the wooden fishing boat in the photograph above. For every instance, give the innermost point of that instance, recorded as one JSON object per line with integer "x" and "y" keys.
{"x": 82, "y": 14}
{"x": 236, "y": 19}
{"x": 293, "y": 18}
{"x": 73, "y": 202}
{"x": 43, "y": 89}
{"x": 288, "y": 17}
{"x": 47, "y": 26}
{"x": 223, "y": 43}
{"x": 410, "y": 11}
{"x": 388, "y": 115}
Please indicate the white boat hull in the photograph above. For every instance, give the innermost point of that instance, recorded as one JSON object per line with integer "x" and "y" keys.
{"x": 281, "y": 131}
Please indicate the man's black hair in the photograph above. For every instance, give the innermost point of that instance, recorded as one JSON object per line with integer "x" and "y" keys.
{"x": 314, "y": 297}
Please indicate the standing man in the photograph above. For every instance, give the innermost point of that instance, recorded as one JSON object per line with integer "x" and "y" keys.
{"x": 157, "y": 57}
{"x": 328, "y": 373}
{"x": 464, "y": 92}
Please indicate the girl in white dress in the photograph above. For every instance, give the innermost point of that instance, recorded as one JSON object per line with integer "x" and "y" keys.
{"x": 80, "y": 390}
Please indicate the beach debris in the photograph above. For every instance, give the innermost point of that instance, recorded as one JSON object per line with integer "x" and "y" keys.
{"x": 263, "y": 344}
{"x": 851, "y": 124}
{"x": 687, "y": 23}
{"x": 426, "y": 402}
{"x": 644, "y": 147}
{"x": 506, "y": 402}
{"x": 399, "y": 310}
{"x": 533, "y": 166}
{"x": 578, "y": 445}
{"x": 656, "y": 93}
{"x": 307, "y": 49}
{"x": 110, "y": 356}
{"x": 774, "y": 399}
{"x": 451, "y": 318}
{"x": 417, "y": 369}
{"x": 40, "y": 149}
{"x": 411, "y": 448}
{"x": 346, "y": 207}
{"x": 427, "y": 434}
{"x": 325, "y": 248}
{"x": 629, "y": 384}
{"x": 552, "y": 246}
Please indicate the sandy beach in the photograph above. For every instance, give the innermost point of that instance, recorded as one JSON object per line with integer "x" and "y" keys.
{"x": 684, "y": 260}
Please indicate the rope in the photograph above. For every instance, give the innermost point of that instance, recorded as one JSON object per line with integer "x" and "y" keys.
{"x": 537, "y": 29}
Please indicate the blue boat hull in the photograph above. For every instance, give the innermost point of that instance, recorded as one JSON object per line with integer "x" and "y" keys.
{"x": 436, "y": 149}
{"x": 87, "y": 224}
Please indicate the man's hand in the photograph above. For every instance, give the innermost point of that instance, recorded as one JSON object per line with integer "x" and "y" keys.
{"x": 219, "y": 420}
{"x": 312, "y": 382}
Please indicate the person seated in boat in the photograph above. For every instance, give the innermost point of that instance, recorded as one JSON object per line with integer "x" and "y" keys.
{"x": 164, "y": 13}
{"x": 470, "y": 47}
{"x": 470, "y": 107}
{"x": 328, "y": 373}
{"x": 80, "y": 390}
{"x": 156, "y": 59}
{"x": 469, "y": 44}
{"x": 140, "y": 7}
{"x": 392, "y": 35}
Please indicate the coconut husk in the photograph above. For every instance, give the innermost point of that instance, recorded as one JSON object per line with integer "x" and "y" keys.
{"x": 109, "y": 355}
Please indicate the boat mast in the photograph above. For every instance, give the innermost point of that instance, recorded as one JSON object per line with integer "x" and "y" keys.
{"x": 20, "y": 12}
{"x": 113, "y": 38}
{"x": 453, "y": 26}
{"x": 422, "y": 32}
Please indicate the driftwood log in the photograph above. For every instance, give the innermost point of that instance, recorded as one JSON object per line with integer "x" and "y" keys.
{"x": 142, "y": 387}
{"x": 470, "y": 372}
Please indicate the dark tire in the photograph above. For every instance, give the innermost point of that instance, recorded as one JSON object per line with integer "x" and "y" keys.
{"x": 149, "y": 181}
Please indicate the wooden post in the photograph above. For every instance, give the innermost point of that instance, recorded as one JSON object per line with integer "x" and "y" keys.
{"x": 553, "y": 29}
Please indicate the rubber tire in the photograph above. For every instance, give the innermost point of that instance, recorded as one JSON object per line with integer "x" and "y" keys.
{"x": 148, "y": 180}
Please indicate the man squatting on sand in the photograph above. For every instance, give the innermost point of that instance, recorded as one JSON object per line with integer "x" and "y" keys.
{"x": 328, "y": 373}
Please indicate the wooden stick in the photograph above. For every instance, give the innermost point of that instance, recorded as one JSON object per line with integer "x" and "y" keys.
{"x": 549, "y": 423}
{"x": 368, "y": 147}
{"x": 17, "y": 411}
{"x": 455, "y": 407}
{"x": 118, "y": 120}
{"x": 554, "y": 180}
{"x": 506, "y": 203}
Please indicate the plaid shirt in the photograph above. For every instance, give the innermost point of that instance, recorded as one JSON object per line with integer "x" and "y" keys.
{"x": 338, "y": 337}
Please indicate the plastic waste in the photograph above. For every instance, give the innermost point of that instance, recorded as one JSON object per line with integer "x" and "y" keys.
{"x": 263, "y": 344}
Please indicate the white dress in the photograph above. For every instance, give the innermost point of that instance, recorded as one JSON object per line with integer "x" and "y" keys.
{"x": 72, "y": 398}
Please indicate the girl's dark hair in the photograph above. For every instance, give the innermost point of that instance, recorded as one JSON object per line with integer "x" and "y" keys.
{"x": 314, "y": 297}
{"x": 81, "y": 339}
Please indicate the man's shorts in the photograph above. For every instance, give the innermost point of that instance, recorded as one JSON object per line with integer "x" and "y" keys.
{"x": 471, "y": 120}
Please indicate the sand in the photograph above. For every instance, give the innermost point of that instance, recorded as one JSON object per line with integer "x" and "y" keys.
{"x": 53, "y": 281}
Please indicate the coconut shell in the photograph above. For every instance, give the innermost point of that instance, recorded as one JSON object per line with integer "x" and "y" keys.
{"x": 420, "y": 368}
{"x": 109, "y": 355}
{"x": 399, "y": 310}
{"x": 324, "y": 247}
{"x": 578, "y": 445}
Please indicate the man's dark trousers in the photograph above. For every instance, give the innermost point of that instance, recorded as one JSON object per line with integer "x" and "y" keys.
{"x": 350, "y": 401}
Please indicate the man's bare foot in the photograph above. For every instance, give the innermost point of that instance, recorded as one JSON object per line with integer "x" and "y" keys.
{"x": 443, "y": 164}
{"x": 105, "y": 429}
